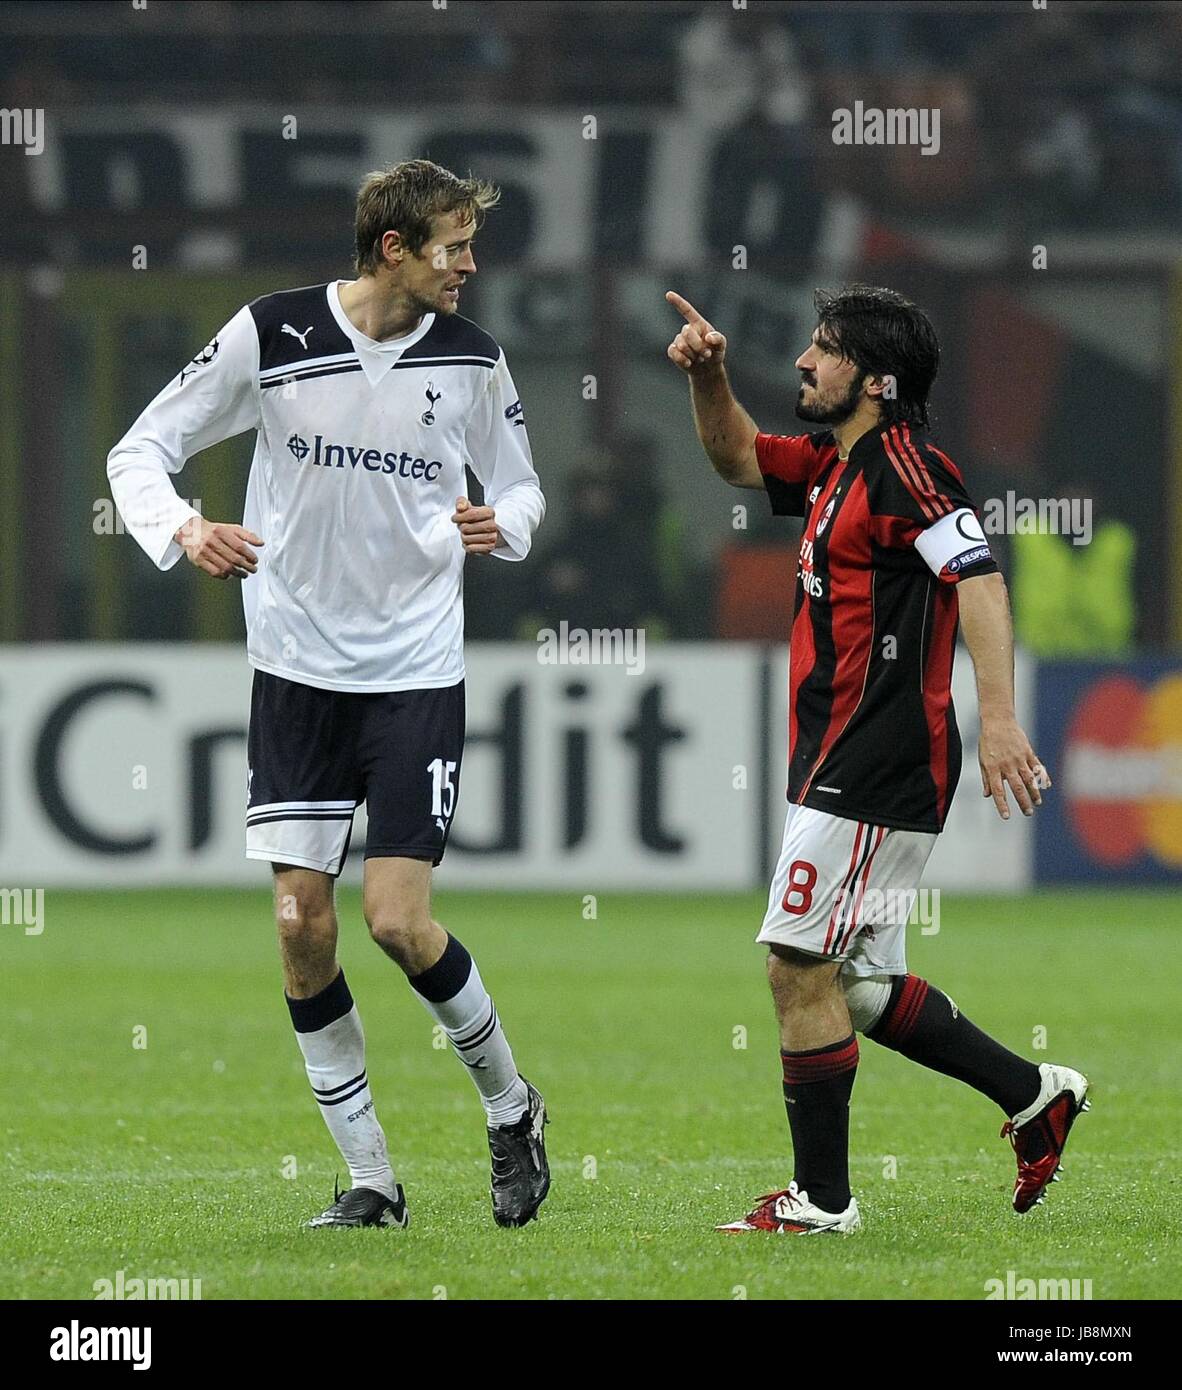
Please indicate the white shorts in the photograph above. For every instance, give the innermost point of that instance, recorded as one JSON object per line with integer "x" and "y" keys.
{"x": 844, "y": 889}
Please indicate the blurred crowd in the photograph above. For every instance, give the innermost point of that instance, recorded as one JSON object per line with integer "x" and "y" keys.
{"x": 1071, "y": 118}
{"x": 1074, "y": 112}
{"x": 610, "y": 555}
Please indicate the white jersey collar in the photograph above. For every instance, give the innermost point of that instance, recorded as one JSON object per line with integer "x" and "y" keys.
{"x": 376, "y": 358}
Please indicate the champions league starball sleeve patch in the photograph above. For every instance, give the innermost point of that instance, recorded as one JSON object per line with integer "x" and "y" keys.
{"x": 203, "y": 359}
{"x": 956, "y": 545}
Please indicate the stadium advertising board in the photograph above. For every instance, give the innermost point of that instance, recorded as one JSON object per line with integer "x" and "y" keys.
{"x": 1114, "y": 732}
{"x": 125, "y": 764}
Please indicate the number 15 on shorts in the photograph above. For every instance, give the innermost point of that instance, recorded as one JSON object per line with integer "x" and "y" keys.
{"x": 443, "y": 789}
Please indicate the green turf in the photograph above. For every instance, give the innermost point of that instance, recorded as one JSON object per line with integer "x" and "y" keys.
{"x": 168, "y": 1162}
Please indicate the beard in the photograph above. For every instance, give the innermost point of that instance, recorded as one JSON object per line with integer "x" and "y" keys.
{"x": 430, "y": 304}
{"x": 831, "y": 412}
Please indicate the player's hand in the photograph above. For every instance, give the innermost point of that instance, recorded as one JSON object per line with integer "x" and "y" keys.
{"x": 219, "y": 548}
{"x": 699, "y": 347}
{"x": 1007, "y": 759}
{"x": 478, "y": 527}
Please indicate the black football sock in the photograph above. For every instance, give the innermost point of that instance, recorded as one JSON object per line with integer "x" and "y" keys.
{"x": 817, "y": 1087}
{"x": 926, "y": 1026}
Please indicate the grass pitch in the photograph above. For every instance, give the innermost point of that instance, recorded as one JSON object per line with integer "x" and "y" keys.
{"x": 651, "y": 1034}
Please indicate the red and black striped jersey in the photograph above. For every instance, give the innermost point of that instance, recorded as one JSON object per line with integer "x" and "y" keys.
{"x": 888, "y": 534}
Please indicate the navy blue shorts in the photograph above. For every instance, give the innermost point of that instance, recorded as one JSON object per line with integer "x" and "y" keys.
{"x": 315, "y": 755}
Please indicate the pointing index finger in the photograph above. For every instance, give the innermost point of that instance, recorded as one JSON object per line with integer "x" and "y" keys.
{"x": 683, "y": 307}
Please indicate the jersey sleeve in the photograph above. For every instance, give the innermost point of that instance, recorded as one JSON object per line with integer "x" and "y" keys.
{"x": 214, "y": 397}
{"x": 499, "y": 454}
{"x": 789, "y": 463}
{"x": 920, "y": 501}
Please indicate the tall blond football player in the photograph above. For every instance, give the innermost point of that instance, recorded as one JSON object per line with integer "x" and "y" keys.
{"x": 369, "y": 397}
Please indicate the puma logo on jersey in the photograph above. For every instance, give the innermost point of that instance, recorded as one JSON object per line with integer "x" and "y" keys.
{"x": 303, "y": 337}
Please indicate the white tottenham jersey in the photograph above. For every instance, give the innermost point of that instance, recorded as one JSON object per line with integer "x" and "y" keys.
{"x": 357, "y": 466}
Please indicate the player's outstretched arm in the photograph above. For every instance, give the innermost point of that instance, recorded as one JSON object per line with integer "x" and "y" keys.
{"x": 725, "y": 429}
{"x": 1005, "y": 755}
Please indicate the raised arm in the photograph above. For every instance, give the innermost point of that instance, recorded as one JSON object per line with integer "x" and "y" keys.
{"x": 1004, "y": 754}
{"x": 725, "y": 429}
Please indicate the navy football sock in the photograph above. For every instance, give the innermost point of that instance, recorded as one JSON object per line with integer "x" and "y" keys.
{"x": 924, "y": 1025}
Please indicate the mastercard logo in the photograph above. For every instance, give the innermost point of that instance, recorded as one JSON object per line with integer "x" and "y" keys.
{"x": 1122, "y": 772}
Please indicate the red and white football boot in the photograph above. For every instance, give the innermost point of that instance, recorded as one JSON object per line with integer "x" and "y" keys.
{"x": 790, "y": 1213}
{"x": 1039, "y": 1133}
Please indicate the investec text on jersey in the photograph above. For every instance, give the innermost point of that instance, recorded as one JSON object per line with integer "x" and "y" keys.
{"x": 328, "y": 455}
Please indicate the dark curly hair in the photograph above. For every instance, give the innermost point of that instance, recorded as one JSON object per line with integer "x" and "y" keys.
{"x": 884, "y": 334}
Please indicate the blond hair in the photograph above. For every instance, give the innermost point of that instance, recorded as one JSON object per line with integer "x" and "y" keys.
{"x": 404, "y": 198}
